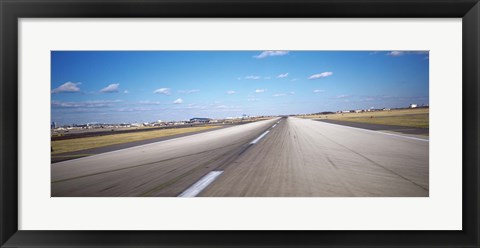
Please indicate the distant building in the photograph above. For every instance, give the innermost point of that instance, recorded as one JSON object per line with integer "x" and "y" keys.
{"x": 200, "y": 120}
{"x": 413, "y": 105}
{"x": 53, "y": 125}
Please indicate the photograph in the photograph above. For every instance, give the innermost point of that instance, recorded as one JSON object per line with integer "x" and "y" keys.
{"x": 276, "y": 123}
{"x": 239, "y": 123}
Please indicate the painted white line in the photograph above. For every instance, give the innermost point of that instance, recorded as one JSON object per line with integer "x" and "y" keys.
{"x": 195, "y": 189}
{"x": 259, "y": 137}
{"x": 372, "y": 131}
{"x": 274, "y": 125}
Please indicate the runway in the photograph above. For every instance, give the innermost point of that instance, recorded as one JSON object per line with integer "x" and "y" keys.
{"x": 281, "y": 157}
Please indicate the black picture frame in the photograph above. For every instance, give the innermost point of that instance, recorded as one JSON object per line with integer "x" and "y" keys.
{"x": 10, "y": 236}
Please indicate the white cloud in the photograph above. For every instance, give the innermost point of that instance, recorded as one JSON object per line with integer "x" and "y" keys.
{"x": 150, "y": 102}
{"x": 178, "y": 101}
{"x": 135, "y": 109}
{"x": 321, "y": 75}
{"x": 400, "y": 53}
{"x": 260, "y": 90}
{"x": 193, "y": 106}
{"x": 252, "y": 77}
{"x": 342, "y": 96}
{"x": 295, "y": 79}
{"x": 85, "y": 104}
{"x": 318, "y": 91}
{"x": 165, "y": 91}
{"x": 265, "y": 54}
{"x": 112, "y": 88}
{"x": 395, "y": 53}
{"x": 292, "y": 93}
{"x": 231, "y": 92}
{"x": 281, "y": 94}
{"x": 283, "y": 75}
{"x": 227, "y": 108}
{"x": 125, "y": 92}
{"x": 68, "y": 87}
{"x": 188, "y": 91}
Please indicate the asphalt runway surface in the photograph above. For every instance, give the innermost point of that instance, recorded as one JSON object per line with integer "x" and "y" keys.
{"x": 97, "y": 150}
{"x": 282, "y": 157}
{"x": 379, "y": 127}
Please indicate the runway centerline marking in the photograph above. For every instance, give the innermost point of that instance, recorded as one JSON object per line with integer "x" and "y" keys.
{"x": 259, "y": 137}
{"x": 201, "y": 184}
{"x": 274, "y": 125}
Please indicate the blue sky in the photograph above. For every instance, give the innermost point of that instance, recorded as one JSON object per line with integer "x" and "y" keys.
{"x": 145, "y": 86}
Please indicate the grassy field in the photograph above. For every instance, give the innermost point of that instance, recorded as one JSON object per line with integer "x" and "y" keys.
{"x": 71, "y": 145}
{"x": 403, "y": 117}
